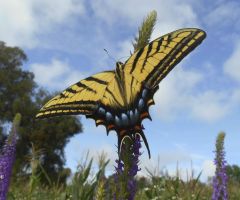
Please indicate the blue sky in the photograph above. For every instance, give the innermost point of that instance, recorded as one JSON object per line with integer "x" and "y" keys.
{"x": 64, "y": 41}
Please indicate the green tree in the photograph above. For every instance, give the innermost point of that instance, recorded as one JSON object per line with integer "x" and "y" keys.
{"x": 15, "y": 84}
{"x": 233, "y": 172}
{"x": 20, "y": 94}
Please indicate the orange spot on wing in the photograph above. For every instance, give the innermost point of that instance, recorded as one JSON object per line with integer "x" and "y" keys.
{"x": 110, "y": 126}
{"x": 143, "y": 115}
{"x": 138, "y": 128}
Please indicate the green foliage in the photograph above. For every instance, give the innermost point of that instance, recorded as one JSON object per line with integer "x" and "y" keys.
{"x": 51, "y": 135}
{"x": 83, "y": 185}
{"x": 164, "y": 187}
{"x": 220, "y": 141}
{"x": 19, "y": 94}
{"x": 86, "y": 185}
{"x": 15, "y": 84}
{"x": 15, "y": 126}
{"x": 101, "y": 193}
{"x": 145, "y": 31}
{"x": 233, "y": 172}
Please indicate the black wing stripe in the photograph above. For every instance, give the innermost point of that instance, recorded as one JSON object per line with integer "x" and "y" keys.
{"x": 148, "y": 52}
{"x": 131, "y": 86}
{"x": 167, "y": 60}
{"x": 79, "y": 84}
{"x": 157, "y": 50}
{"x": 62, "y": 95}
{"x": 48, "y": 115}
{"x": 71, "y": 90}
{"x": 159, "y": 45}
{"x": 97, "y": 80}
{"x": 136, "y": 59}
{"x": 77, "y": 102}
{"x": 66, "y": 108}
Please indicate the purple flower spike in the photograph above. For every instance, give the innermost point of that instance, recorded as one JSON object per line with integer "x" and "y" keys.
{"x": 6, "y": 162}
{"x": 117, "y": 175}
{"x": 7, "y": 157}
{"x": 220, "y": 179}
{"x": 134, "y": 167}
{"x": 127, "y": 169}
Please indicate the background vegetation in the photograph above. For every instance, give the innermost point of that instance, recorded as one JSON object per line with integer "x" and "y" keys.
{"x": 87, "y": 184}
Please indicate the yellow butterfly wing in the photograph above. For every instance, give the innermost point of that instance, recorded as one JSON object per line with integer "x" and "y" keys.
{"x": 80, "y": 98}
{"x": 144, "y": 69}
{"x": 113, "y": 98}
{"x": 152, "y": 63}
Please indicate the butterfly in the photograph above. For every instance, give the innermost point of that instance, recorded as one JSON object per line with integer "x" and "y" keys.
{"x": 120, "y": 99}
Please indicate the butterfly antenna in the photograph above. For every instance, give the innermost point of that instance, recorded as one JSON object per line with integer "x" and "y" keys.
{"x": 109, "y": 55}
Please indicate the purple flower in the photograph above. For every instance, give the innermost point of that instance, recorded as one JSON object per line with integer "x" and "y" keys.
{"x": 134, "y": 167}
{"x": 220, "y": 179}
{"x": 127, "y": 168}
{"x": 7, "y": 156}
{"x": 117, "y": 176}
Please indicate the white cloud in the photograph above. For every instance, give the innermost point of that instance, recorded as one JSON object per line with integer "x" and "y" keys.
{"x": 174, "y": 92}
{"x": 171, "y": 14}
{"x": 232, "y": 64}
{"x": 17, "y": 22}
{"x": 22, "y": 22}
{"x": 56, "y": 11}
{"x": 224, "y": 14}
{"x": 56, "y": 75}
{"x": 180, "y": 94}
{"x": 236, "y": 96}
{"x": 211, "y": 105}
{"x": 62, "y": 25}
{"x": 208, "y": 169}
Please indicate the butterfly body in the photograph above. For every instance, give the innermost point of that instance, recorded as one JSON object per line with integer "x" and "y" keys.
{"x": 120, "y": 99}
{"x": 126, "y": 120}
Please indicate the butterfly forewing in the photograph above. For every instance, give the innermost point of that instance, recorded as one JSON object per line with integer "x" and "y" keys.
{"x": 152, "y": 63}
{"x": 80, "y": 98}
{"x": 113, "y": 97}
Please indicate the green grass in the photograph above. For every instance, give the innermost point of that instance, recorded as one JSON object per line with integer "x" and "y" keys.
{"x": 87, "y": 186}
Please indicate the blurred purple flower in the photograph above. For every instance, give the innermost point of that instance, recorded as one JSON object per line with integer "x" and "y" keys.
{"x": 220, "y": 179}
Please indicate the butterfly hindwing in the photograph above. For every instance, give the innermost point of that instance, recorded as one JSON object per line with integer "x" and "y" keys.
{"x": 80, "y": 98}
{"x": 152, "y": 63}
